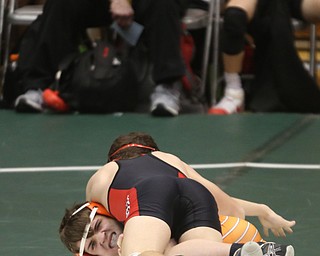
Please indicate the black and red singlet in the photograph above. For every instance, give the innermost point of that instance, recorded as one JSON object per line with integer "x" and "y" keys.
{"x": 148, "y": 186}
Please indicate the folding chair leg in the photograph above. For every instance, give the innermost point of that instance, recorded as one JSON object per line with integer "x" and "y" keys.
{"x": 2, "y": 9}
{"x": 11, "y": 15}
{"x": 213, "y": 18}
{"x": 215, "y": 58}
{"x": 6, "y": 51}
{"x": 313, "y": 50}
{"x": 207, "y": 45}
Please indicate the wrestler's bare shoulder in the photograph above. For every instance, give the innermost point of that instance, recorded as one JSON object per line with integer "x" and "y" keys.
{"x": 102, "y": 178}
{"x": 106, "y": 172}
{"x": 99, "y": 183}
{"x": 165, "y": 156}
{"x": 172, "y": 160}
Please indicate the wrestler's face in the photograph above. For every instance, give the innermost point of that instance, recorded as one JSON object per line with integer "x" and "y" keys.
{"x": 104, "y": 240}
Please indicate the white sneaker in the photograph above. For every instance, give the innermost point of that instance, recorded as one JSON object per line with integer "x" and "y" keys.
{"x": 249, "y": 249}
{"x": 231, "y": 103}
{"x": 165, "y": 100}
{"x": 31, "y": 101}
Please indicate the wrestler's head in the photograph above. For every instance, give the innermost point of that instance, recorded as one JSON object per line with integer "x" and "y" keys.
{"x": 131, "y": 145}
{"x": 89, "y": 226}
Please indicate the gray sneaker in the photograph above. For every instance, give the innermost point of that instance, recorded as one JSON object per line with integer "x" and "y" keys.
{"x": 249, "y": 249}
{"x": 165, "y": 100}
{"x": 266, "y": 249}
{"x": 31, "y": 101}
{"x": 273, "y": 249}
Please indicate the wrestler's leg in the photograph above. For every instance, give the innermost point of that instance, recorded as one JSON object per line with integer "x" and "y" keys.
{"x": 156, "y": 235}
{"x": 204, "y": 241}
{"x": 200, "y": 247}
{"x": 236, "y": 230}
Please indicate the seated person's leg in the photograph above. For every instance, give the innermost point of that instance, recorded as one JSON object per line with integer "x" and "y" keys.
{"x": 162, "y": 23}
{"x": 236, "y": 17}
{"x": 310, "y": 10}
{"x": 58, "y": 34}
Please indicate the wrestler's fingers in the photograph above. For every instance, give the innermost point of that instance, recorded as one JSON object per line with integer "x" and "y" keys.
{"x": 119, "y": 243}
{"x": 281, "y": 232}
{"x": 292, "y": 223}
{"x": 288, "y": 230}
{"x": 275, "y": 232}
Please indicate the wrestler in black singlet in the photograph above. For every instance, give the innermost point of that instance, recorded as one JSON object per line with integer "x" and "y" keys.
{"x": 148, "y": 186}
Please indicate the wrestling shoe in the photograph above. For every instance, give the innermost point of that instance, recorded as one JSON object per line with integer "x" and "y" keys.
{"x": 31, "y": 102}
{"x": 273, "y": 249}
{"x": 231, "y": 103}
{"x": 165, "y": 100}
{"x": 249, "y": 249}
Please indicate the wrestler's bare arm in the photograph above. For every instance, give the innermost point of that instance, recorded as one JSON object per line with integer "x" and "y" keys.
{"x": 226, "y": 205}
{"x": 233, "y": 206}
{"x": 99, "y": 183}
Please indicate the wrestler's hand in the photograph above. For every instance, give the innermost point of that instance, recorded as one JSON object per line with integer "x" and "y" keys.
{"x": 119, "y": 243}
{"x": 122, "y": 12}
{"x": 277, "y": 224}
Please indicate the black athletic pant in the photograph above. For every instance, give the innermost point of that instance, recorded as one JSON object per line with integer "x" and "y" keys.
{"x": 64, "y": 21}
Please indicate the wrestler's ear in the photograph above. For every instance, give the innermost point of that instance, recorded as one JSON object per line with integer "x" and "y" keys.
{"x": 119, "y": 243}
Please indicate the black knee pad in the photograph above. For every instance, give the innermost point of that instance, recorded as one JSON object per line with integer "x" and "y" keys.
{"x": 234, "y": 30}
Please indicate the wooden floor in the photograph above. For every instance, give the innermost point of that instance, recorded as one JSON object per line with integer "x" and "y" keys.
{"x": 45, "y": 161}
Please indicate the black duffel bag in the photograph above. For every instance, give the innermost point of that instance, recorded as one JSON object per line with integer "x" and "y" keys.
{"x": 102, "y": 79}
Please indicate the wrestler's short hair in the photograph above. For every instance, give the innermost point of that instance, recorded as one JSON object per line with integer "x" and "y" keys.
{"x": 72, "y": 227}
{"x": 136, "y": 142}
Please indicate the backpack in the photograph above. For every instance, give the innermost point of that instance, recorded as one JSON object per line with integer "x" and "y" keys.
{"x": 101, "y": 79}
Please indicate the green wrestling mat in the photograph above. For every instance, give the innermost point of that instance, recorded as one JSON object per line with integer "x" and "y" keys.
{"x": 46, "y": 160}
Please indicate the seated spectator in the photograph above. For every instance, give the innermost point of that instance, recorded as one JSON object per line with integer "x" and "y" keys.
{"x": 239, "y": 17}
{"x": 62, "y": 23}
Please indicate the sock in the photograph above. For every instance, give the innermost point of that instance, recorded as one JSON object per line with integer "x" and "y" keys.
{"x": 233, "y": 80}
{"x": 234, "y": 248}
